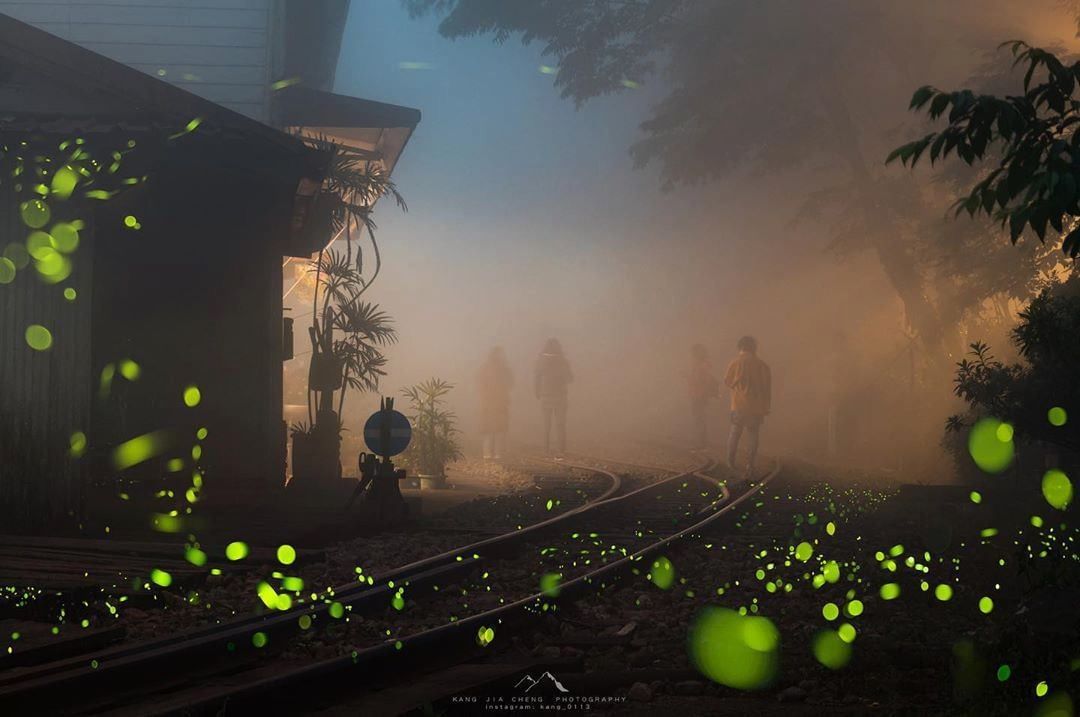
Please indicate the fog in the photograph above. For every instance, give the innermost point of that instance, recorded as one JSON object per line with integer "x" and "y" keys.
{"x": 527, "y": 220}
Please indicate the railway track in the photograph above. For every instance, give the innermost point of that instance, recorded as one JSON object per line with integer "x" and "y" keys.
{"x": 201, "y": 670}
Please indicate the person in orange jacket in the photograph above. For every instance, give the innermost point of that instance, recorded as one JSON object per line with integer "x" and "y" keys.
{"x": 750, "y": 382}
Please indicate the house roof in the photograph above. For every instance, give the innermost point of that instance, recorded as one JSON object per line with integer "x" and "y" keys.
{"x": 112, "y": 94}
{"x": 377, "y": 128}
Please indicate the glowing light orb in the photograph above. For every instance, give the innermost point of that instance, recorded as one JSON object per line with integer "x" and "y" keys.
{"x": 735, "y": 650}
{"x": 831, "y": 650}
{"x": 38, "y": 337}
{"x": 337, "y": 610}
{"x": 550, "y": 584}
{"x": 1003, "y": 673}
{"x": 986, "y": 605}
{"x": 192, "y": 396}
{"x": 305, "y": 622}
{"x": 195, "y": 556}
{"x": 662, "y": 573}
{"x": 846, "y": 632}
{"x": 830, "y": 611}
{"x": 236, "y": 551}
{"x": 64, "y": 182}
{"x": 990, "y": 445}
{"x": 259, "y": 639}
{"x": 943, "y": 592}
{"x": 77, "y": 444}
{"x": 1057, "y": 416}
{"x": 286, "y": 554}
{"x": 130, "y": 370}
{"x": 65, "y": 237}
{"x": 804, "y": 551}
{"x": 141, "y": 448}
{"x": 855, "y": 608}
{"x": 16, "y": 253}
{"x": 35, "y": 213}
{"x": 889, "y": 591}
{"x": 7, "y": 270}
{"x": 1057, "y": 489}
{"x": 70, "y": 294}
{"x": 484, "y": 636}
{"x": 267, "y": 594}
{"x": 160, "y": 577}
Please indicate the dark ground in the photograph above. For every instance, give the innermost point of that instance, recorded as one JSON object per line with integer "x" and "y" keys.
{"x": 915, "y": 654}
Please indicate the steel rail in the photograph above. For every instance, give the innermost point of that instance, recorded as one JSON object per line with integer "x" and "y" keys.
{"x": 439, "y": 640}
{"x": 112, "y": 662}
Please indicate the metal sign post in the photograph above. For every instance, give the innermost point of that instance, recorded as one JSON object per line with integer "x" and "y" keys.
{"x": 387, "y": 433}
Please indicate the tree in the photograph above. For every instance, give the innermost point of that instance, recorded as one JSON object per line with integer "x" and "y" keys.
{"x": 1036, "y": 183}
{"x": 797, "y": 87}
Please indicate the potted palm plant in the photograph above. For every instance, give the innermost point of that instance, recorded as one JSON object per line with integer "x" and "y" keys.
{"x": 347, "y": 334}
{"x": 434, "y": 440}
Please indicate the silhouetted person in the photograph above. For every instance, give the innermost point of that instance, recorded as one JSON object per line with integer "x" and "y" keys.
{"x": 702, "y": 386}
{"x": 552, "y": 378}
{"x": 494, "y": 381}
{"x": 750, "y": 382}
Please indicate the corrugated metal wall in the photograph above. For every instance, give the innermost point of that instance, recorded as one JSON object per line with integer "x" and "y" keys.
{"x": 44, "y": 395}
{"x": 218, "y": 49}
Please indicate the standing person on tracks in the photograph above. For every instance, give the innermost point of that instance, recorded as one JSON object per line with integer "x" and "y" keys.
{"x": 494, "y": 382}
{"x": 750, "y": 382}
{"x": 702, "y": 386}
{"x": 552, "y": 378}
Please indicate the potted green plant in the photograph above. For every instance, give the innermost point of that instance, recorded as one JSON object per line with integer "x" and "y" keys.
{"x": 347, "y": 334}
{"x": 434, "y": 440}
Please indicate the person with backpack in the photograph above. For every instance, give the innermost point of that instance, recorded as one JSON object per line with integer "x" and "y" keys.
{"x": 494, "y": 381}
{"x": 552, "y": 377}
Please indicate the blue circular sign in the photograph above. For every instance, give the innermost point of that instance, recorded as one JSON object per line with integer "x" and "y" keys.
{"x": 387, "y": 433}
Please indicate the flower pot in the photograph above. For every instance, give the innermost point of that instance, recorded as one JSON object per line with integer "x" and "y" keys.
{"x": 432, "y": 481}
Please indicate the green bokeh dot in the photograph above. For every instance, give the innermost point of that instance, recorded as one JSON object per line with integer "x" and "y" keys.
{"x": 831, "y": 650}
{"x": 286, "y": 554}
{"x": 735, "y": 650}
{"x": 990, "y": 445}
{"x": 1057, "y": 488}
{"x": 236, "y": 550}
{"x": 192, "y": 396}
{"x": 1057, "y": 416}
{"x": 889, "y": 591}
{"x": 38, "y": 337}
{"x": 7, "y": 270}
{"x": 35, "y": 213}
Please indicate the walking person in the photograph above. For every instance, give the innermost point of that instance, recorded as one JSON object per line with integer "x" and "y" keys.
{"x": 494, "y": 381}
{"x": 552, "y": 378}
{"x": 702, "y": 386}
{"x": 750, "y": 382}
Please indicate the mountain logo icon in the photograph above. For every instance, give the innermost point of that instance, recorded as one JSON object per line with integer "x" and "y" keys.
{"x": 530, "y": 682}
